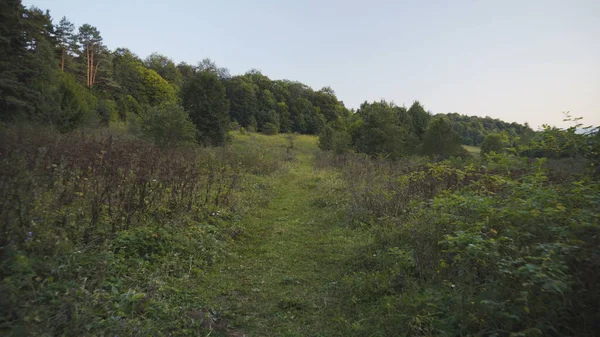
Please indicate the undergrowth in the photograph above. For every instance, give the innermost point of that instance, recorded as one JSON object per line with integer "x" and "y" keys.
{"x": 104, "y": 234}
{"x": 498, "y": 246}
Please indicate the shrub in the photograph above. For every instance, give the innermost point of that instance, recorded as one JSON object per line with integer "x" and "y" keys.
{"x": 168, "y": 125}
{"x": 107, "y": 235}
{"x": 494, "y": 142}
{"x": 270, "y": 128}
{"x": 496, "y": 250}
{"x": 441, "y": 140}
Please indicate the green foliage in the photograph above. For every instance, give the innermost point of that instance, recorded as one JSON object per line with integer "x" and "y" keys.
{"x": 166, "y": 68}
{"x": 494, "y": 142}
{"x": 337, "y": 140}
{"x": 26, "y": 60}
{"x": 203, "y": 97}
{"x": 341, "y": 142}
{"x": 168, "y": 126}
{"x": 107, "y": 111}
{"x": 441, "y": 140}
{"x": 474, "y": 129}
{"x": 144, "y": 85}
{"x": 326, "y": 138}
{"x": 493, "y": 248}
{"x": 75, "y": 104}
{"x": 270, "y": 128}
{"x": 419, "y": 119}
{"x": 379, "y": 132}
{"x": 107, "y": 235}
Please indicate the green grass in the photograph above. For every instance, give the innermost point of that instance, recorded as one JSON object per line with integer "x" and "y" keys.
{"x": 280, "y": 277}
{"x": 473, "y": 150}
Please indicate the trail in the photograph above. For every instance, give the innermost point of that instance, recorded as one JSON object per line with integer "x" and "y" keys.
{"x": 280, "y": 278}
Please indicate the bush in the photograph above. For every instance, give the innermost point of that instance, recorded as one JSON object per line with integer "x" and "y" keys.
{"x": 497, "y": 250}
{"x": 494, "y": 142}
{"x": 107, "y": 111}
{"x": 441, "y": 140}
{"x": 106, "y": 235}
{"x": 168, "y": 125}
{"x": 270, "y": 128}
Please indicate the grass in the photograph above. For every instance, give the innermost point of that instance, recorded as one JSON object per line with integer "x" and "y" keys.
{"x": 281, "y": 275}
{"x": 473, "y": 150}
{"x": 301, "y": 245}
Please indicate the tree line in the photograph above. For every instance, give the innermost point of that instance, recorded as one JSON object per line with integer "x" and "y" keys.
{"x": 57, "y": 74}
{"x": 63, "y": 76}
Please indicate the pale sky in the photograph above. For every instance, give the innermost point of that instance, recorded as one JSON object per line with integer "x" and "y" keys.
{"x": 523, "y": 61}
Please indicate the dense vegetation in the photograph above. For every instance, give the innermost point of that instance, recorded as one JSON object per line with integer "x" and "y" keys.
{"x": 473, "y": 129}
{"x": 146, "y": 198}
{"x": 502, "y": 245}
{"x": 55, "y": 74}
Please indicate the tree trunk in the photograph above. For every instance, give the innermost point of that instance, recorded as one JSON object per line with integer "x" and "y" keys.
{"x": 92, "y": 67}
{"x": 95, "y": 72}
{"x": 62, "y": 61}
{"x": 87, "y": 56}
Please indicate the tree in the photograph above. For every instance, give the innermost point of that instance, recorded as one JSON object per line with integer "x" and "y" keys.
{"x": 328, "y": 104}
{"x": 266, "y": 114}
{"x": 204, "y": 99}
{"x": 187, "y": 71}
{"x": 419, "y": 119}
{"x": 285, "y": 124}
{"x": 90, "y": 39}
{"x": 440, "y": 140}
{"x": 494, "y": 142}
{"x": 166, "y": 68}
{"x": 377, "y": 132}
{"x": 208, "y": 65}
{"x": 302, "y": 113}
{"x": 243, "y": 100}
{"x": 27, "y": 63}
{"x": 66, "y": 39}
{"x": 139, "y": 82}
{"x": 168, "y": 125}
{"x": 13, "y": 92}
{"x": 326, "y": 138}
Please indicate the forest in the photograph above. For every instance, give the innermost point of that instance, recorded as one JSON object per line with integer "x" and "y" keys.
{"x": 141, "y": 197}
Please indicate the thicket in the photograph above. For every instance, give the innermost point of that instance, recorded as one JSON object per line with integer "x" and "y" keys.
{"x": 383, "y": 129}
{"x": 474, "y": 129}
{"x": 502, "y": 245}
{"x": 54, "y": 73}
{"x": 105, "y": 234}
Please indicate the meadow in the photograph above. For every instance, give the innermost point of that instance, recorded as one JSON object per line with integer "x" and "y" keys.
{"x": 269, "y": 236}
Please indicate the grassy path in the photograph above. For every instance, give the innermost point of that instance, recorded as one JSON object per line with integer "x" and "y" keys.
{"x": 279, "y": 280}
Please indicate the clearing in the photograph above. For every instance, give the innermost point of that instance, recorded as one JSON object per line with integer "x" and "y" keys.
{"x": 280, "y": 277}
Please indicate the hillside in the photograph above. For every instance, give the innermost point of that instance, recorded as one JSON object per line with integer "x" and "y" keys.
{"x": 140, "y": 197}
{"x": 270, "y": 236}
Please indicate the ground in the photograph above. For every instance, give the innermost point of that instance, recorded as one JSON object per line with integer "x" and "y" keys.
{"x": 281, "y": 276}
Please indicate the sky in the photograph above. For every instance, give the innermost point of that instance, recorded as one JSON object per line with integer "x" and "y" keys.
{"x": 523, "y": 61}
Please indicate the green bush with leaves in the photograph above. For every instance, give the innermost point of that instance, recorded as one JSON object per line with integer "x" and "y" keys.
{"x": 168, "y": 125}
{"x": 440, "y": 140}
{"x": 506, "y": 251}
{"x": 109, "y": 235}
{"x": 494, "y": 142}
